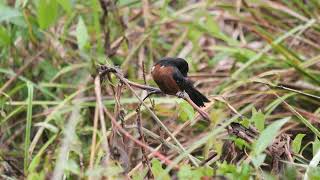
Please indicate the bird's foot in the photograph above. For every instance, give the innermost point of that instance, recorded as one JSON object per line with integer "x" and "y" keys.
{"x": 151, "y": 93}
{"x": 181, "y": 94}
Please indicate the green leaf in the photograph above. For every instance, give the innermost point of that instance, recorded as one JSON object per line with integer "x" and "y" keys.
{"x": 194, "y": 35}
{"x": 48, "y": 70}
{"x": 5, "y": 38}
{"x": 37, "y": 158}
{"x": 186, "y": 172}
{"x": 290, "y": 57}
{"x": 213, "y": 29}
{"x": 113, "y": 170}
{"x": 290, "y": 172}
{"x": 268, "y": 135}
{"x": 240, "y": 143}
{"x": 258, "y": 160}
{"x": 315, "y": 146}
{"x": 8, "y": 13}
{"x": 158, "y": 171}
{"x": 258, "y": 118}
{"x": 82, "y": 34}
{"x": 245, "y": 122}
{"x": 186, "y": 111}
{"x": 314, "y": 173}
{"x": 36, "y": 176}
{"x": 218, "y": 57}
{"x": 66, "y": 5}
{"x": 296, "y": 143}
{"x": 11, "y": 15}
{"x": 47, "y": 13}
{"x": 236, "y": 172}
{"x": 28, "y": 127}
{"x": 139, "y": 175}
{"x": 72, "y": 166}
{"x": 96, "y": 171}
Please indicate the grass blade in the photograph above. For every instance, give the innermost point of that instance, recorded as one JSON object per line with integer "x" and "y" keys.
{"x": 28, "y": 127}
{"x": 268, "y": 135}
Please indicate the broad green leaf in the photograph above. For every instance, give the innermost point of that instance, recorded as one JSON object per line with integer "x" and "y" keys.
{"x": 48, "y": 70}
{"x": 186, "y": 111}
{"x": 245, "y": 122}
{"x": 36, "y": 176}
{"x": 296, "y": 143}
{"x": 258, "y": 118}
{"x": 8, "y": 13}
{"x": 72, "y": 166}
{"x": 82, "y": 34}
{"x": 47, "y": 13}
{"x": 236, "y": 172}
{"x": 194, "y": 35}
{"x": 258, "y": 160}
{"x": 217, "y": 116}
{"x": 5, "y": 38}
{"x": 113, "y": 170}
{"x": 66, "y": 5}
{"x": 11, "y": 15}
{"x": 186, "y": 172}
{"x": 290, "y": 172}
{"x": 268, "y": 135}
{"x": 240, "y": 143}
{"x": 158, "y": 171}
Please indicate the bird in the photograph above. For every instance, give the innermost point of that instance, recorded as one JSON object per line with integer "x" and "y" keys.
{"x": 171, "y": 76}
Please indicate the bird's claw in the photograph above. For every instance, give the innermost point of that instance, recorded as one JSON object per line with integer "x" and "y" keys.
{"x": 181, "y": 94}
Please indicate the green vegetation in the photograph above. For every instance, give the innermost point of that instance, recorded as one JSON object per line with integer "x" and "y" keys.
{"x": 257, "y": 61}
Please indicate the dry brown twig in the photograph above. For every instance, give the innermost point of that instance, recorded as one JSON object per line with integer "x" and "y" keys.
{"x": 94, "y": 139}
{"x": 100, "y": 106}
{"x": 124, "y": 132}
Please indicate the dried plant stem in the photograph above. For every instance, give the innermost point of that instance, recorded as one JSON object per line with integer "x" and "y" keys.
{"x": 94, "y": 139}
{"x": 124, "y": 132}
{"x": 104, "y": 140}
{"x": 142, "y": 139}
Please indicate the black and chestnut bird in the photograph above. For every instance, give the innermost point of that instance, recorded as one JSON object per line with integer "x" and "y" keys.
{"x": 170, "y": 74}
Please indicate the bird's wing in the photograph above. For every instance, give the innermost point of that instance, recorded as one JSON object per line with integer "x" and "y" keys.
{"x": 187, "y": 86}
{"x": 182, "y": 65}
{"x": 180, "y": 79}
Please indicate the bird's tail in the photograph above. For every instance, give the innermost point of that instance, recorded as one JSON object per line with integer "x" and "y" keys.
{"x": 198, "y": 98}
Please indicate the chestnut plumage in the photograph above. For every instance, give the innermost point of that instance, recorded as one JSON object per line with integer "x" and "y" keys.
{"x": 170, "y": 74}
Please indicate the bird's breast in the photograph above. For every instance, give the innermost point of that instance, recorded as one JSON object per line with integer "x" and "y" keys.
{"x": 163, "y": 76}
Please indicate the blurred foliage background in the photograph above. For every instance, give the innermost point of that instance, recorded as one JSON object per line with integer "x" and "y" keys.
{"x": 257, "y": 61}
